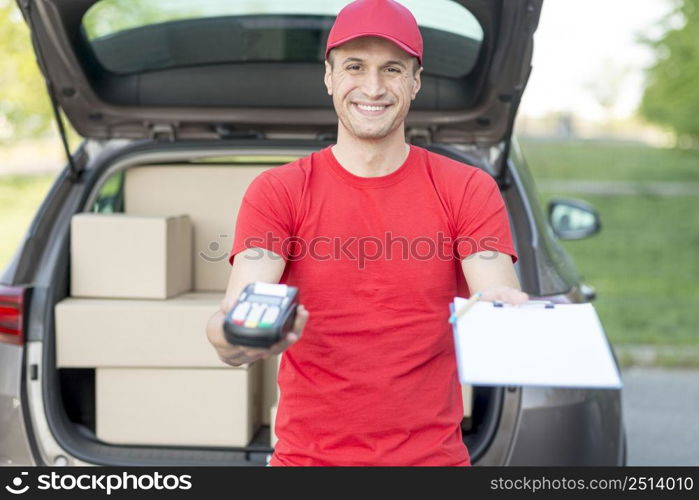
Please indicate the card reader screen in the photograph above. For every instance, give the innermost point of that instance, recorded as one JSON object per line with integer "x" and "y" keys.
{"x": 264, "y": 299}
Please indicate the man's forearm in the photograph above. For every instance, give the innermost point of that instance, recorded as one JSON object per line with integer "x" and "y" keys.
{"x": 495, "y": 278}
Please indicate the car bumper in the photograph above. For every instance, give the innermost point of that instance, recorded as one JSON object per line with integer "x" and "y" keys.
{"x": 569, "y": 427}
{"x": 14, "y": 442}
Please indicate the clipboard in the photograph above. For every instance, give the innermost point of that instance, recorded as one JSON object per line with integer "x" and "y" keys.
{"x": 539, "y": 344}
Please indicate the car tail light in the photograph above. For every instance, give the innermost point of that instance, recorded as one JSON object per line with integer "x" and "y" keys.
{"x": 11, "y": 315}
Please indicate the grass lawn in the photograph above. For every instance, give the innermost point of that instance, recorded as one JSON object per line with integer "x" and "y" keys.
{"x": 20, "y": 197}
{"x": 644, "y": 267}
{"x": 604, "y": 161}
{"x": 643, "y": 263}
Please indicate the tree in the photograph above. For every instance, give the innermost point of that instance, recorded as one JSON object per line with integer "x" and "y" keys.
{"x": 671, "y": 96}
{"x": 24, "y": 104}
{"x": 25, "y": 109}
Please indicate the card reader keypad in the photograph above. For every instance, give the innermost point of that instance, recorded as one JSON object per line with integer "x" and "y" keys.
{"x": 255, "y": 315}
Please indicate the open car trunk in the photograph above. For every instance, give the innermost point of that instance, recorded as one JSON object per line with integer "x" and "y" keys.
{"x": 139, "y": 69}
{"x": 111, "y": 401}
{"x": 222, "y": 73}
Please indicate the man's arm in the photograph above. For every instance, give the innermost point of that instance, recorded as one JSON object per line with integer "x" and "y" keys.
{"x": 254, "y": 264}
{"x": 493, "y": 274}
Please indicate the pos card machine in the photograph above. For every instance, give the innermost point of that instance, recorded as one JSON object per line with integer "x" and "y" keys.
{"x": 262, "y": 316}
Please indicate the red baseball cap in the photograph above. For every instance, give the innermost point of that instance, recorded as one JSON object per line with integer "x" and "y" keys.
{"x": 383, "y": 18}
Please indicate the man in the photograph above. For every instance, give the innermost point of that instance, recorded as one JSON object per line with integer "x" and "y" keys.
{"x": 373, "y": 380}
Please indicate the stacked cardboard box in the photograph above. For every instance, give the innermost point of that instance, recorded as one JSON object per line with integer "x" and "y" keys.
{"x": 273, "y": 418}
{"x": 270, "y": 390}
{"x": 133, "y": 333}
{"x": 209, "y": 194}
{"x": 270, "y": 394}
{"x": 467, "y": 399}
{"x": 171, "y": 407}
{"x": 132, "y": 317}
{"x": 126, "y": 256}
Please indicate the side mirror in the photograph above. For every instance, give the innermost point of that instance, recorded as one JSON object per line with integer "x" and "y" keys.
{"x": 573, "y": 219}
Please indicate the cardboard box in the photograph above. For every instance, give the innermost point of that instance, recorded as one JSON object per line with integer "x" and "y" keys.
{"x": 270, "y": 389}
{"x": 177, "y": 407}
{"x": 211, "y": 195}
{"x": 272, "y": 418}
{"x": 118, "y": 255}
{"x": 467, "y": 399}
{"x": 136, "y": 332}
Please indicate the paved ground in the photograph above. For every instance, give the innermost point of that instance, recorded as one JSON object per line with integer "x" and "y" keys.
{"x": 662, "y": 416}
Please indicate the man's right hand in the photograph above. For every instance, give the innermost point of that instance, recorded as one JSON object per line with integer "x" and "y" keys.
{"x": 253, "y": 264}
{"x": 237, "y": 355}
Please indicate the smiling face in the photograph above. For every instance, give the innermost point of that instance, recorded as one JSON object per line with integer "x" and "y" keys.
{"x": 372, "y": 82}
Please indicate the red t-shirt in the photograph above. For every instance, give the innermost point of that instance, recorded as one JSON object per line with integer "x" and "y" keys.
{"x": 373, "y": 379}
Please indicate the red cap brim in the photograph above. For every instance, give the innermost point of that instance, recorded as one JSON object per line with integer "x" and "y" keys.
{"x": 380, "y": 35}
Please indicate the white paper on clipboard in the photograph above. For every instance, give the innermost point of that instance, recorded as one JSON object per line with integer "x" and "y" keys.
{"x": 531, "y": 345}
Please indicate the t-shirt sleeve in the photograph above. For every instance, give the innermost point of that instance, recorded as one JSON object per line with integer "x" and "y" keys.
{"x": 482, "y": 223}
{"x": 265, "y": 218}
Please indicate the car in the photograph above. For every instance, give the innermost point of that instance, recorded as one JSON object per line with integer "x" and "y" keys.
{"x": 187, "y": 91}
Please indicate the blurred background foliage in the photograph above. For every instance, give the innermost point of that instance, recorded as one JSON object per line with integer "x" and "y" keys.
{"x": 671, "y": 96}
{"x": 25, "y": 110}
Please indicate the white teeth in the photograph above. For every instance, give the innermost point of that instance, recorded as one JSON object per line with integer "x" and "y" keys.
{"x": 370, "y": 108}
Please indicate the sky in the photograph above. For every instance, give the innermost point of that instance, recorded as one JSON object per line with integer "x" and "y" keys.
{"x": 587, "y": 52}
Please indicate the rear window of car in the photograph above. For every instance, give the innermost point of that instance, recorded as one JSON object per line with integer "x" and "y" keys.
{"x": 135, "y": 36}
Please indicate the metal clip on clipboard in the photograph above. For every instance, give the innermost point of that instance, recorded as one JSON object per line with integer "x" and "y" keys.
{"x": 546, "y": 304}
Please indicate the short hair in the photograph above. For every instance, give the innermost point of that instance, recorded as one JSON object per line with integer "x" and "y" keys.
{"x": 416, "y": 64}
